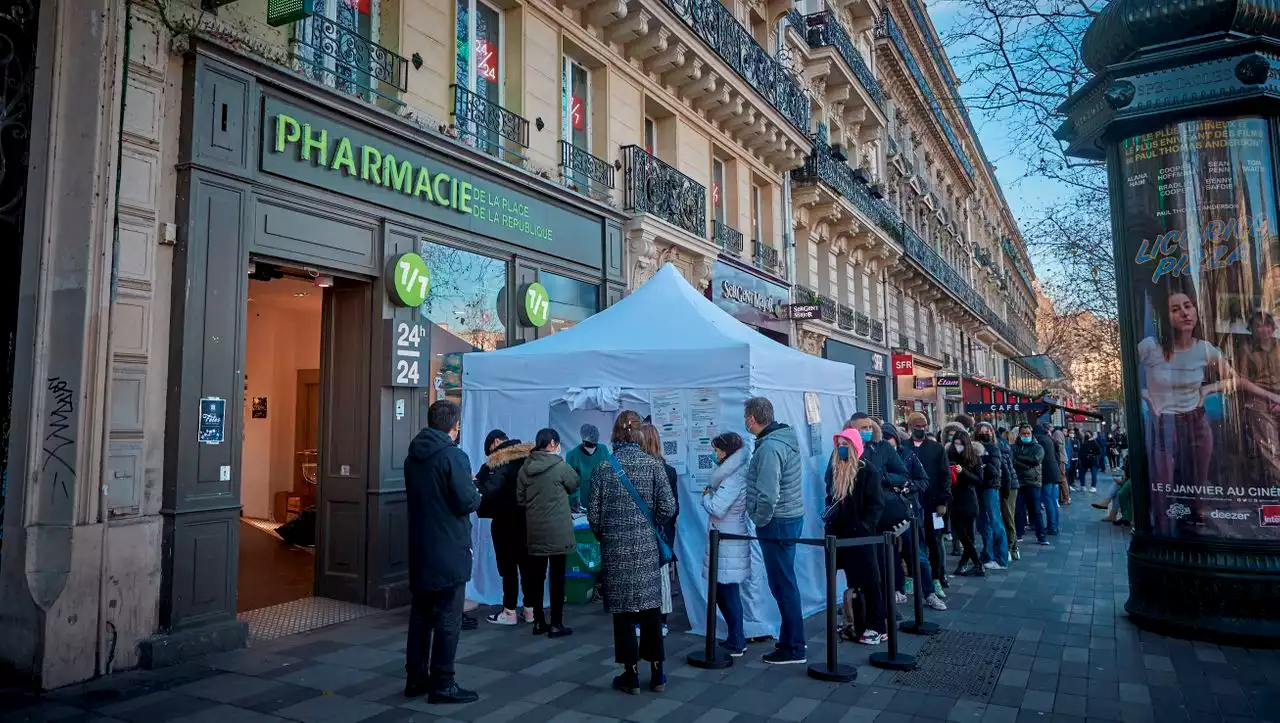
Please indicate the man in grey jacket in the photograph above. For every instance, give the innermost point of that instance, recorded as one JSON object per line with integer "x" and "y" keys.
{"x": 776, "y": 506}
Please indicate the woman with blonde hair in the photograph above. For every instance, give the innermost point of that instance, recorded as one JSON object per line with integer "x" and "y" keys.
{"x": 854, "y": 506}
{"x": 652, "y": 446}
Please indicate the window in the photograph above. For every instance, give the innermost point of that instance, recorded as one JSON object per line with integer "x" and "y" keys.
{"x": 572, "y": 301}
{"x": 575, "y": 113}
{"x": 757, "y": 214}
{"x": 479, "y": 37}
{"x": 330, "y": 55}
{"x": 466, "y": 309}
{"x": 875, "y": 397}
{"x": 650, "y": 136}
{"x": 717, "y": 189}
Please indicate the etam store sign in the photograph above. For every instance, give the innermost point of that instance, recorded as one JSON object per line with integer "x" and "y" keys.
{"x": 903, "y": 365}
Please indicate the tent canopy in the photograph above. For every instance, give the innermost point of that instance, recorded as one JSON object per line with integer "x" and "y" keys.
{"x": 663, "y": 335}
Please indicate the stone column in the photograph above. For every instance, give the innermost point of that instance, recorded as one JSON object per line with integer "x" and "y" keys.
{"x": 50, "y": 570}
{"x": 1190, "y": 141}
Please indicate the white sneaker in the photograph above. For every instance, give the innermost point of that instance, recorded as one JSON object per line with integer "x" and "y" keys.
{"x": 664, "y": 630}
{"x": 528, "y": 615}
{"x": 1093, "y": 489}
{"x": 900, "y": 597}
{"x": 993, "y": 565}
{"x": 871, "y": 637}
{"x": 935, "y": 602}
{"x": 506, "y": 617}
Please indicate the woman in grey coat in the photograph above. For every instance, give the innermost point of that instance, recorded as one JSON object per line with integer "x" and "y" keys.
{"x": 631, "y": 585}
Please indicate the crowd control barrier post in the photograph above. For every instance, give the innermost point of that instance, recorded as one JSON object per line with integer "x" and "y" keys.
{"x": 917, "y": 626}
{"x": 711, "y": 657}
{"x": 892, "y": 660}
{"x": 832, "y": 671}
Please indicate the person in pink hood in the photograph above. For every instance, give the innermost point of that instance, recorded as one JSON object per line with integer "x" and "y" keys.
{"x": 854, "y": 504}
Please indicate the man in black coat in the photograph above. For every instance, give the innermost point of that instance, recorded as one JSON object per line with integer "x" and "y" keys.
{"x": 1052, "y": 477}
{"x": 441, "y": 497}
{"x": 935, "y": 500}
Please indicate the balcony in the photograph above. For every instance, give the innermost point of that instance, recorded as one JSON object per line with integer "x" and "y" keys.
{"x": 845, "y": 317}
{"x": 904, "y": 342}
{"x": 489, "y": 126}
{"x": 767, "y": 259}
{"x": 827, "y": 308}
{"x": 653, "y": 187}
{"x": 584, "y": 172}
{"x": 823, "y": 29}
{"x": 821, "y": 166}
{"x": 804, "y": 294}
{"x": 728, "y": 238}
{"x": 861, "y": 324}
{"x": 340, "y": 58}
{"x": 877, "y": 331}
{"x": 920, "y": 348}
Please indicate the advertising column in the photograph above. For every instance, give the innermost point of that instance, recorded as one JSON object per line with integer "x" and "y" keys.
{"x": 1204, "y": 258}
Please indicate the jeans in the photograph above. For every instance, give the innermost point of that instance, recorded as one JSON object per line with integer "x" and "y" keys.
{"x": 1089, "y": 469}
{"x": 1051, "y": 509}
{"x": 537, "y": 572}
{"x": 1030, "y": 497}
{"x": 435, "y": 620}
{"x": 729, "y": 600}
{"x": 629, "y": 651}
{"x": 991, "y": 527}
{"x": 780, "y": 567}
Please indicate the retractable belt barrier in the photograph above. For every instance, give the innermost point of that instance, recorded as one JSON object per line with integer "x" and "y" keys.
{"x": 711, "y": 657}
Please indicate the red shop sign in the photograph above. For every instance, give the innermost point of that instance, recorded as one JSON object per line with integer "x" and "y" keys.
{"x": 903, "y": 365}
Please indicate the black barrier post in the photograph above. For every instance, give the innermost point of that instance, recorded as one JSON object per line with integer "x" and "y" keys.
{"x": 917, "y": 626}
{"x": 712, "y": 657}
{"x": 832, "y": 671}
{"x": 892, "y": 660}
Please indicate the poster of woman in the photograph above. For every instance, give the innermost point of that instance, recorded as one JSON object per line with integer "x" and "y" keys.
{"x": 1200, "y": 215}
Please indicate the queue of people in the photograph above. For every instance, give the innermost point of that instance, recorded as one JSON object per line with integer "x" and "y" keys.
{"x": 968, "y": 479}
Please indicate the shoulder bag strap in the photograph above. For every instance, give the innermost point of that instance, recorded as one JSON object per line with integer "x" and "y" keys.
{"x": 631, "y": 490}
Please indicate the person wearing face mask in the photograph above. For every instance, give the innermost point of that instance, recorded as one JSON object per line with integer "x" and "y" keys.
{"x": 995, "y": 547}
{"x": 497, "y": 481}
{"x": 935, "y": 499}
{"x": 1028, "y": 462}
{"x": 584, "y": 459}
{"x": 917, "y": 484}
{"x": 725, "y": 501}
{"x": 971, "y": 473}
{"x": 542, "y": 489}
{"x": 854, "y": 506}
{"x": 440, "y": 497}
{"x": 893, "y": 475}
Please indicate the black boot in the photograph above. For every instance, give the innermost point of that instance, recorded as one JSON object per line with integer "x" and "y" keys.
{"x": 559, "y": 631}
{"x": 657, "y": 678}
{"x": 540, "y": 626}
{"x": 416, "y": 686}
{"x": 628, "y": 682}
{"x": 452, "y": 695}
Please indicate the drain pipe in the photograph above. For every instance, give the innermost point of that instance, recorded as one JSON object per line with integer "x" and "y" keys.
{"x": 108, "y": 636}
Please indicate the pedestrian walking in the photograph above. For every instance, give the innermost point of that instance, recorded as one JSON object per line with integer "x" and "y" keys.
{"x": 543, "y": 488}
{"x": 725, "y": 501}
{"x": 652, "y": 446}
{"x": 776, "y": 507}
{"x": 933, "y": 457}
{"x": 630, "y": 500}
{"x": 1028, "y": 461}
{"x": 853, "y": 510}
{"x": 497, "y": 481}
{"x": 1090, "y": 460}
{"x": 440, "y": 497}
{"x": 584, "y": 459}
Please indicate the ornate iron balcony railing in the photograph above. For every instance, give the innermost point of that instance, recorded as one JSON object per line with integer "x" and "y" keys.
{"x": 333, "y": 54}
{"x": 488, "y": 124}
{"x": 827, "y": 308}
{"x": 877, "y": 330}
{"x": 844, "y": 317}
{"x": 861, "y": 324}
{"x": 904, "y": 342}
{"x": 804, "y": 295}
{"x": 920, "y": 348}
{"x": 715, "y": 24}
{"x": 765, "y": 257}
{"x": 823, "y": 28}
{"x": 585, "y": 172}
{"x": 651, "y": 186}
{"x": 820, "y": 165}
{"x": 728, "y": 238}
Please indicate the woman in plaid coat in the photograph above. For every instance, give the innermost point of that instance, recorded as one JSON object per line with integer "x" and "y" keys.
{"x": 631, "y": 585}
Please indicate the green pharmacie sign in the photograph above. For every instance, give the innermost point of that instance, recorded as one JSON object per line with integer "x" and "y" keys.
{"x": 304, "y": 146}
{"x": 410, "y": 280}
{"x": 536, "y": 310}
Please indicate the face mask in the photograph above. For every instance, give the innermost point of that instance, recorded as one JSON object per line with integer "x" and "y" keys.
{"x": 842, "y": 453}
{"x": 917, "y": 434}
{"x": 588, "y": 447}
{"x": 1025, "y": 440}
{"x": 865, "y": 434}
{"x": 959, "y": 448}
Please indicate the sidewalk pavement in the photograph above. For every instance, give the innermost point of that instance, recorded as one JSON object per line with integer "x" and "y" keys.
{"x": 1046, "y": 641}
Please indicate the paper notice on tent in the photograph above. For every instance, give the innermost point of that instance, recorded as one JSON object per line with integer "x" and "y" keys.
{"x": 667, "y": 408}
{"x": 701, "y": 454}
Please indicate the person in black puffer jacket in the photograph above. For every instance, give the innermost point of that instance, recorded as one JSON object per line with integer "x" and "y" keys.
{"x": 885, "y": 458}
{"x": 917, "y": 485}
{"x": 497, "y": 483}
{"x": 853, "y": 510}
{"x": 966, "y": 457}
{"x": 995, "y": 546}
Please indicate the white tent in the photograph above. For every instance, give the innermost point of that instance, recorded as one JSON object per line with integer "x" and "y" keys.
{"x": 668, "y": 345}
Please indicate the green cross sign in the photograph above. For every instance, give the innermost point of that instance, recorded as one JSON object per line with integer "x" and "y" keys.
{"x": 537, "y": 305}
{"x": 410, "y": 280}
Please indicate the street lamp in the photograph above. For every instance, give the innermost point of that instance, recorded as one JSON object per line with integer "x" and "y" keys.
{"x": 1185, "y": 110}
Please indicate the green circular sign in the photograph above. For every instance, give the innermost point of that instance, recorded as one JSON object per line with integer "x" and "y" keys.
{"x": 410, "y": 280}
{"x": 536, "y": 310}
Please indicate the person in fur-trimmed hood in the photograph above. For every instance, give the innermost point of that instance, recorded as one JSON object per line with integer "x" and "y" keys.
{"x": 497, "y": 484}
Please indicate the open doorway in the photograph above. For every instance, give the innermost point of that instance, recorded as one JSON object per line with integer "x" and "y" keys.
{"x": 281, "y": 438}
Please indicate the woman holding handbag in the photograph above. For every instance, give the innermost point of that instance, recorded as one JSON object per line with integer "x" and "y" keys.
{"x": 630, "y": 500}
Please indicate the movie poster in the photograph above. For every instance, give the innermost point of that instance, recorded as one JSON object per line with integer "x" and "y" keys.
{"x": 1201, "y": 243}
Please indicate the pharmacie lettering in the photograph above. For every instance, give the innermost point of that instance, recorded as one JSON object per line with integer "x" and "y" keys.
{"x": 375, "y": 167}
